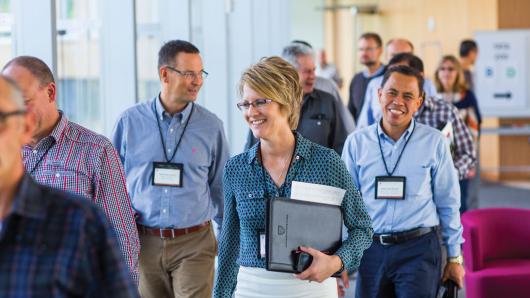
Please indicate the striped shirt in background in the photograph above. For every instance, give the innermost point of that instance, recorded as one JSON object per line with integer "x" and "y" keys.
{"x": 75, "y": 159}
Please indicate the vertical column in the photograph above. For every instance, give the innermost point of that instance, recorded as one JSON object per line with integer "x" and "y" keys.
{"x": 118, "y": 59}
{"x": 175, "y": 19}
{"x": 35, "y": 30}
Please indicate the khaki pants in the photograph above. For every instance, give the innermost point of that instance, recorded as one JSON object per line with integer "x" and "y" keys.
{"x": 178, "y": 267}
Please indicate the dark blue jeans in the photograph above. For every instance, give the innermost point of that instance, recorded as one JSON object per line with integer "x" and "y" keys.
{"x": 409, "y": 269}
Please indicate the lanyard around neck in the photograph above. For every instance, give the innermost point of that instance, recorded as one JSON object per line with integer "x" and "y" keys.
{"x": 181, "y": 135}
{"x": 390, "y": 173}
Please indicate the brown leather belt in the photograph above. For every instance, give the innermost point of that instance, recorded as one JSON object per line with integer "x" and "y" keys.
{"x": 170, "y": 233}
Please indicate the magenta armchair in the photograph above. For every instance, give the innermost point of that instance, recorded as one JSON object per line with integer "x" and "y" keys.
{"x": 497, "y": 253}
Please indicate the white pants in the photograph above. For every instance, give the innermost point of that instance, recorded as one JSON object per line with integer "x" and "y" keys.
{"x": 260, "y": 283}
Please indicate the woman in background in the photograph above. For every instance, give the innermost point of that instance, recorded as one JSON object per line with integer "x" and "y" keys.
{"x": 452, "y": 87}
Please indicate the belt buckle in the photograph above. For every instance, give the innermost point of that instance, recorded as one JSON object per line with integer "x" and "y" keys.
{"x": 162, "y": 233}
{"x": 381, "y": 239}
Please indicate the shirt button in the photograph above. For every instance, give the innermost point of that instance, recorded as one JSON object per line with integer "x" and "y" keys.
{"x": 35, "y": 151}
{"x": 57, "y": 175}
{"x": 171, "y": 130}
{"x": 297, "y": 157}
{"x": 163, "y": 210}
{"x": 319, "y": 123}
{"x": 165, "y": 190}
{"x": 168, "y": 150}
{"x": 250, "y": 195}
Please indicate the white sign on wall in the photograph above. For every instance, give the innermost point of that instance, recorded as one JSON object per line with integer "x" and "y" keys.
{"x": 502, "y": 73}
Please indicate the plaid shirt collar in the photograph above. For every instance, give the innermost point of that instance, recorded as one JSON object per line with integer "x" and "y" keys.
{"x": 28, "y": 200}
{"x": 59, "y": 129}
{"x": 303, "y": 149}
{"x": 428, "y": 103}
{"x": 56, "y": 133}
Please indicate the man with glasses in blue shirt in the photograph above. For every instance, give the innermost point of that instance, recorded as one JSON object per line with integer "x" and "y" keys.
{"x": 173, "y": 152}
{"x": 409, "y": 184}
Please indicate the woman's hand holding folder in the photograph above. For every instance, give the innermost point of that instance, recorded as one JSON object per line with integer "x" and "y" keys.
{"x": 322, "y": 267}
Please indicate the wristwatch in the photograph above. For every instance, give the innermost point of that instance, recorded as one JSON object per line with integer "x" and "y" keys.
{"x": 456, "y": 260}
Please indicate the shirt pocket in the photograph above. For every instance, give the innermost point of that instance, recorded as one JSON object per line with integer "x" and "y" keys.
{"x": 419, "y": 181}
{"x": 67, "y": 179}
{"x": 251, "y": 206}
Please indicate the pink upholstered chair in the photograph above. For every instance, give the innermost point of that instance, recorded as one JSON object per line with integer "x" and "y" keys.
{"x": 497, "y": 253}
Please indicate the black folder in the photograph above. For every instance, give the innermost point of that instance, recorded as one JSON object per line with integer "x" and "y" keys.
{"x": 293, "y": 223}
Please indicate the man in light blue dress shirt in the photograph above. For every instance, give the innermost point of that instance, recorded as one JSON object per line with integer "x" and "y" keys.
{"x": 408, "y": 182}
{"x": 174, "y": 152}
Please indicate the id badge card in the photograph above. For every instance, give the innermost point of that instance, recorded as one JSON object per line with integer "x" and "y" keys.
{"x": 167, "y": 174}
{"x": 390, "y": 187}
{"x": 262, "y": 244}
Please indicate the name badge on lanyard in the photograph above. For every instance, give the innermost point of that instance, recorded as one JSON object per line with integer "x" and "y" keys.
{"x": 167, "y": 174}
{"x": 390, "y": 187}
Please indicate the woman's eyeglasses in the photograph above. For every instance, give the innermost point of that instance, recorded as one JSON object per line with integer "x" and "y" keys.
{"x": 257, "y": 104}
{"x": 450, "y": 69}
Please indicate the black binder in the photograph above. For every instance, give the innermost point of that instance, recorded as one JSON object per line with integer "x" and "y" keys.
{"x": 292, "y": 223}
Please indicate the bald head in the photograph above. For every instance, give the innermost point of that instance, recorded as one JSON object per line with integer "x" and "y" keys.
{"x": 35, "y": 80}
{"x": 35, "y": 66}
{"x": 397, "y": 46}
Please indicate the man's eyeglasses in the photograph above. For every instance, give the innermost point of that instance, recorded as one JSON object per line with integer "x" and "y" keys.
{"x": 257, "y": 104}
{"x": 5, "y": 115}
{"x": 190, "y": 75}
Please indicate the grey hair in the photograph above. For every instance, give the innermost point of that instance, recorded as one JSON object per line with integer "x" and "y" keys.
{"x": 15, "y": 95}
{"x": 294, "y": 50}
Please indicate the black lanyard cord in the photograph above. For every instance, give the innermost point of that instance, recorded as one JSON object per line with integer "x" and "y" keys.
{"x": 400, "y": 154}
{"x": 181, "y": 135}
{"x": 41, "y": 158}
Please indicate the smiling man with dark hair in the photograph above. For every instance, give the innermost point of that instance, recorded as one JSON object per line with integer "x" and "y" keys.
{"x": 408, "y": 182}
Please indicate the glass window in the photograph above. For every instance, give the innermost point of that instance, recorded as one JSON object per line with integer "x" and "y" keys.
{"x": 78, "y": 62}
{"x": 147, "y": 45}
{"x": 6, "y": 29}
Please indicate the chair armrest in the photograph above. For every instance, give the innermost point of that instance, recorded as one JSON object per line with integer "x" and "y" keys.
{"x": 473, "y": 259}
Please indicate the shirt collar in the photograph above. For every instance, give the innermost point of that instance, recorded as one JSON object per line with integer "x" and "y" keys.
{"x": 428, "y": 103}
{"x": 379, "y": 71}
{"x": 162, "y": 113}
{"x": 60, "y": 127}
{"x": 28, "y": 199}
{"x": 404, "y": 136}
{"x": 303, "y": 149}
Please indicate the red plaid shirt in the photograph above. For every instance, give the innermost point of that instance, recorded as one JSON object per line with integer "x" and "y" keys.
{"x": 75, "y": 159}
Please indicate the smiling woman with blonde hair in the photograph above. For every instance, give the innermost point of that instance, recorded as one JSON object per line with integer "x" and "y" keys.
{"x": 271, "y": 99}
{"x": 452, "y": 87}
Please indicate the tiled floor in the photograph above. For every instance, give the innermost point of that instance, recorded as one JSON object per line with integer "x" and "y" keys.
{"x": 512, "y": 194}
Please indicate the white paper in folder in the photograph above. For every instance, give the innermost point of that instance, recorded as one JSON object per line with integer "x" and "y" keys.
{"x": 317, "y": 193}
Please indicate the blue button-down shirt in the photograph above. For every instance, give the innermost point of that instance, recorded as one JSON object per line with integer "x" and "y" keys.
{"x": 432, "y": 194}
{"x": 203, "y": 152}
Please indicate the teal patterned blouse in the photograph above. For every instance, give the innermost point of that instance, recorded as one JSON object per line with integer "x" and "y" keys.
{"x": 244, "y": 212}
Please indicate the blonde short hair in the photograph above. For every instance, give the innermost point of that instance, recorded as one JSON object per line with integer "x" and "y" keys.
{"x": 460, "y": 82}
{"x": 276, "y": 79}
